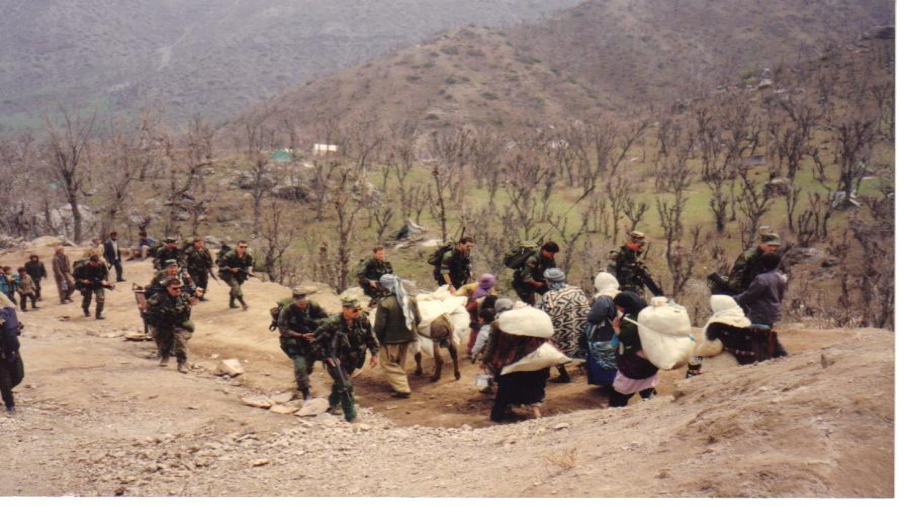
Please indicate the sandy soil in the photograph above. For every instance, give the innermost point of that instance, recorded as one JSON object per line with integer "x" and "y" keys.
{"x": 98, "y": 417}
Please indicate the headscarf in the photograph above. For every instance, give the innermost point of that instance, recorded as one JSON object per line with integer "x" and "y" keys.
{"x": 555, "y": 278}
{"x": 605, "y": 284}
{"x": 485, "y": 285}
{"x": 630, "y": 302}
{"x": 393, "y": 284}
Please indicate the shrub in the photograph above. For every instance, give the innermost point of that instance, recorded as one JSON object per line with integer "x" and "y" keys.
{"x": 451, "y": 50}
{"x": 489, "y": 96}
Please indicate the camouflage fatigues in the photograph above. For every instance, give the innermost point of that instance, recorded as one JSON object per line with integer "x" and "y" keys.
{"x": 532, "y": 269}
{"x": 163, "y": 254}
{"x": 457, "y": 265}
{"x": 745, "y": 269}
{"x": 170, "y": 320}
{"x": 293, "y": 323}
{"x": 89, "y": 280}
{"x": 372, "y": 270}
{"x": 235, "y": 279}
{"x": 625, "y": 264}
{"x": 348, "y": 342}
{"x": 199, "y": 262}
{"x": 158, "y": 283}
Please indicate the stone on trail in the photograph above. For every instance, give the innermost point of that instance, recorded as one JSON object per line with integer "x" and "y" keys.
{"x": 230, "y": 367}
{"x": 560, "y": 426}
{"x": 313, "y": 407}
{"x": 283, "y": 409}
{"x": 259, "y": 462}
{"x": 257, "y": 401}
{"x": 282, "y": 397}
{"x": 137, "y": 337}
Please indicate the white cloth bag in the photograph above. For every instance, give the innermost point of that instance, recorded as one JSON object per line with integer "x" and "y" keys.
{"x": 665, "y": 334}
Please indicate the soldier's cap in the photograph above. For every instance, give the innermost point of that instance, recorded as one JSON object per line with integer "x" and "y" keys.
{"x": 170, "y": 240}
{"x": 350, "y": 301}
{"x": 771, "y": 239}
{"x": 171, "y": 261}
{"x": 174, "y": 282}
{"x": 93, "y": 258}
{"x": 300, "y": 292}
{"x": 637, "y": 236}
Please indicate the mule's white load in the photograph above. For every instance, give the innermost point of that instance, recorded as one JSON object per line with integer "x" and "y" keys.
{"x": 665, "y": 334}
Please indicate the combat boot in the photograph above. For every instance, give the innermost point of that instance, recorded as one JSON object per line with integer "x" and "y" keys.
{"x": 98, "y": 311}
{"x": 242, "y": 301}
{"x": 182, "y": 367}
{"x": 164, "y": 360}
{"x": 87, "y": 313}
{"x": 232, "y": 301}
{"x": 305, "y": 394}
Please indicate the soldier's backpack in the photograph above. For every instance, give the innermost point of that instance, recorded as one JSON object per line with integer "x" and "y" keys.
{"x": 222, "y": 253}
{"x": 436, "y": 258}
{"x": 274, "y": 311}
{"x": 515, "y": 258}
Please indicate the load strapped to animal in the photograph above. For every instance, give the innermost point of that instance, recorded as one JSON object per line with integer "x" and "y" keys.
{"x": 516, "y": 257}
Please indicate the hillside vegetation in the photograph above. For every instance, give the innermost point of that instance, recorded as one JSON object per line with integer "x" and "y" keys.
{"x": 206, "y": 56}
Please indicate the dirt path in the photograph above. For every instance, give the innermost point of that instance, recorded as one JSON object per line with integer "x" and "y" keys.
{"x": 98, "y": 417}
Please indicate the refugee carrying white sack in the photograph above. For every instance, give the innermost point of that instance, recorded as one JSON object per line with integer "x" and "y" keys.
{"x": 665, "y": 334}
{"x": 727, "y": 312}
{"x": 531, "y": 322}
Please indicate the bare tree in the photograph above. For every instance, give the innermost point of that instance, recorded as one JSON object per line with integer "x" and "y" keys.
{"x": 450, "y": 150}
{"x": 279, "y": 232}
{"x": 258, "y": 142}
{"x": 754, "y": 204}
{"x": 66, "y": 157}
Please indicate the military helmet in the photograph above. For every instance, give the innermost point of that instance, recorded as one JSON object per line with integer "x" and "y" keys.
{"x": 770, "y": 239}
{"x": 174, "y": 282}
{"x": 301, "y": 292}
{"x": 170, "y": 261}
{"x": 350, "y": 301}
{"x": 170, "y": 239}
{"x": 637, "y": 236}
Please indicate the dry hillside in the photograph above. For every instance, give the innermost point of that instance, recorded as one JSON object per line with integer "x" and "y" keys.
{"x": 102, "y": 419}
{"x": 207, "y": 56}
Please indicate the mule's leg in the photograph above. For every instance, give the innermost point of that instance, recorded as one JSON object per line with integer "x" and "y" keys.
{"x": 417, "y": 360}
{"x": 454, "y": 354}
{"x": 438, "y": 361}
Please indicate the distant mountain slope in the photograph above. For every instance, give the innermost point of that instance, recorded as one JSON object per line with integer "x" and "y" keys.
{"x": 209, "y": 56}
{"x": 601, "y": 55}
{"x": 652, "y": 49}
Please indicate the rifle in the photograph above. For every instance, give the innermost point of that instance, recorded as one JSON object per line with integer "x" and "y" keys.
{"x": 339, "y": 375}
{"x": 648, "y": 280}
{"x": 212, "y": 275}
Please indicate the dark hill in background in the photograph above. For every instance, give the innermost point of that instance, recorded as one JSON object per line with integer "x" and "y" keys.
{"x": 210, "y": 56}
{"x": 598, "y": 56}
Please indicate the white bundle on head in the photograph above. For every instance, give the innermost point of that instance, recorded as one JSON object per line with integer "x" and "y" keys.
{"x": 665, "y": 334}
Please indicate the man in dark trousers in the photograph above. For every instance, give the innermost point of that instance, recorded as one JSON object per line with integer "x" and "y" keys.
{"x": 91, "y": 279}
{"x": 35, "y": 268}
{"x": 113, "y": 255}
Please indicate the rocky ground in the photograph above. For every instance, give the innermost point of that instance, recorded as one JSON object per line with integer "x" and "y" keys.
{"x": 98, "y": 417}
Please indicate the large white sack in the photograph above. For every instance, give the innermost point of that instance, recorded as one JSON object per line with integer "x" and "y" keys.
{"x": 526, "y": 321}
{"x": 665, "y": 334}
{"x": 542, "y": 358}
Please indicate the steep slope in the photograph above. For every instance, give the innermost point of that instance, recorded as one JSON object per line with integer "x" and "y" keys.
{"x": 103, "y": 419}
{"x": 652, "y": 49}
{"x": 209, "y": 56}
{"x": 614, "y": 55}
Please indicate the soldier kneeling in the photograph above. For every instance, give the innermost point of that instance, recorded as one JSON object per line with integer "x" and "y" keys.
{"x": 169, "y": 314}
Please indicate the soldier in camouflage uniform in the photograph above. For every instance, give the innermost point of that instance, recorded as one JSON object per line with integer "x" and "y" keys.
{"x": 455, "y": 268}
{"x": 199, "y": 263}
{"x": 297, "y": 323}
{"x": 169, "y": 315}
{"x": 344, "y": 340}
{"x": 370, "y": 272}
{"x": 168, "y": 251}
{"x": 91, "y": 279}
{"x": 235, "y": 268}
{"x": 625, "y": 264}
{"x": 171, "y": 271}
{"x": 529, "y": 280}
{"x": 748, "y": 265}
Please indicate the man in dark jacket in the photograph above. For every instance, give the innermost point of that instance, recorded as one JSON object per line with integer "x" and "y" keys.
{"x": 396, "y": 328}
{"x": 91, "y": 279}
{"x": 762, "y": 301}
{"x": 529, "y": 280}
{"x": 113, "y": 256}
{"x": 10, "y": 361}
{"x": 749, "y": 264}
{"x": 35, "y": 268}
